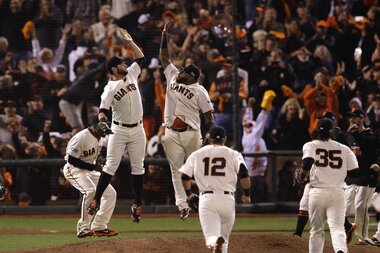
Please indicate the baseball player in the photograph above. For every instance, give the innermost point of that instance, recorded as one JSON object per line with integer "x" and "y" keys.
{"x": 123, "y": 95}
{"x": 361, "y": 187}
{"x": 185, "y": 99}
{"x": 329, "y": 162}
{"x": 215, "y": 168}
{"x": 83, "y": 173}
{"x": 303, "y": 213}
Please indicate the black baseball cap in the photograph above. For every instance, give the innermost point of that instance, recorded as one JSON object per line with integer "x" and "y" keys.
{"x": 328, "y": 115}
{"x": 356, "y": 114}
{"x": 113, "y": 62}
{"x": 325, "y": 125}
{"x": 192, "y": 70}
{"x": 217, "y": 133}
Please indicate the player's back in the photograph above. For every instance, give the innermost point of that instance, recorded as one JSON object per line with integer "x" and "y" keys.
{"x": 216, "y": 167}
{"x": 331, "y": 162}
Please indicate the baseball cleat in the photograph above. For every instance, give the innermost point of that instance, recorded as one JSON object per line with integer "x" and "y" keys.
{"x": 105, "y": 232}
{"x": 136, "y": 213}
{"x": 85, "y": 232}
{"x": 361, "y": 242}
{"x": 350, "y": 233}
{"x": 184, "y": 213}
{"x": 93, "y": 208}
{"x": 373, "y": 241}
{"x": 218, "y": 246}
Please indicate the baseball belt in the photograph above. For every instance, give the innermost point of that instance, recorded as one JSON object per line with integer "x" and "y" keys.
{"x": 127, "y": 125}
{"x": 212, "y": 192}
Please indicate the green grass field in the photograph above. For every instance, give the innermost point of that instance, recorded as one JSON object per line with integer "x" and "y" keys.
{"x": 26, "y": 232}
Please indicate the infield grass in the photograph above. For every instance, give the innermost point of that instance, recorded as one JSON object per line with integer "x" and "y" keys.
{"x": 18, "y": 233}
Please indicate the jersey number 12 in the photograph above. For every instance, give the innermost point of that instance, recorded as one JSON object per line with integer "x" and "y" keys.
{"x": 214, "y": 165}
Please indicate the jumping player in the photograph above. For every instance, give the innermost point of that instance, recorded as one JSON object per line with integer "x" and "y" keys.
{"x": 83, "y": 173}
{"x": 123, "y": 95}
{"x": 329, "y": 162}
{"x": 215, "y": 168}
{"x": 185, "y": 99}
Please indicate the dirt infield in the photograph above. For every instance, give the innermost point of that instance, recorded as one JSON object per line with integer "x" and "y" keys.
{"x": 258, "y": 242}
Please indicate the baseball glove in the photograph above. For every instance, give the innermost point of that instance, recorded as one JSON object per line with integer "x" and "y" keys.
{"x": 300, "y": 177}
{"x": 3, "y": 192}
{"x": 103, "y": 129}
{"x": 193, "y": 202}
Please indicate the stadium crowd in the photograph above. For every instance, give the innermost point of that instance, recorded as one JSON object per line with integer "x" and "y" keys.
{"x": 316, "y": 56}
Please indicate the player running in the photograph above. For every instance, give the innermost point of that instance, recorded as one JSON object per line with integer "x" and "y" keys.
{"x": 329, "y": 162}
{"x": 215, "y": 168}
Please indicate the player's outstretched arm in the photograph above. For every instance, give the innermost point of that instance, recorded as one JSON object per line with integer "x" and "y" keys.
{"x": 164, "y": 52}
{"x": 137, "y": 53}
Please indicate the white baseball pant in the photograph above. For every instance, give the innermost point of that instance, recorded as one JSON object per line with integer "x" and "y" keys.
{"x": 178, "y": 146}
{"x": 85, "y": 181}
{"x": 217, "y": 217}
{"x": 326, "y": 202}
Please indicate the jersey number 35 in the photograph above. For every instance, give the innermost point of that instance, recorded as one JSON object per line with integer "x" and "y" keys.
{"x": 329, "y": 158}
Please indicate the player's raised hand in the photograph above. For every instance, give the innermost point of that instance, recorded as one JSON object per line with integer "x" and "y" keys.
{"x": 125, "y": 34}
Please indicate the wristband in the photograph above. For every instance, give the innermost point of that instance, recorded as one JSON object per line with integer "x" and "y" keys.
{"x": 188, "y": 192}
{"x": 246, "y": 192}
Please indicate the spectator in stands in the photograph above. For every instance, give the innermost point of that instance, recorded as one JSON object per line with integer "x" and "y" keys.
{"x": 12, "y": 21}
{"x": 269, "y": 21}
{"x": 32, "y": 180}
{"x": 55, "y": 147}
{"x": 221, "y": 95}
{"x": 84, "y": 10}
{"x": 373, "y": 111}
{"x": 48, "y": 23}
{"x": 291, "y": 129}
{"x": 52, "y": 94}
{"x": 105, "y": 32}
{"x": 80, "y": 90}
{"x": 34, "y": 120}
{"x": 7, "y": 175}
{"x": 10, "y": 117}
{"x": 45, "y": 56}
{"x": 303, "y": 63}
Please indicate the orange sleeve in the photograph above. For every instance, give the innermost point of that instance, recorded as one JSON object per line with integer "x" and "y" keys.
{"x": 243, "y": 90}
{"x": 212, "y": 92}
{"x": 308, "y": 100}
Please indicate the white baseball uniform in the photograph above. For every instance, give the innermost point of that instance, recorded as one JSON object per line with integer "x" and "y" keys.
{"x": 332, "y": 160}
{"x": 86, "y": 147}
{"x": 185, "y": 102}
{"x": 127, "y": 111}
{"x": 215, "y": 170}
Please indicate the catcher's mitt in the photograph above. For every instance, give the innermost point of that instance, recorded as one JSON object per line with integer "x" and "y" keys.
{"x": 300, "y": 177}
{"x": 3, "y": 192}
{"x": 193, "y": 202}
{"x": 103, "y": 129}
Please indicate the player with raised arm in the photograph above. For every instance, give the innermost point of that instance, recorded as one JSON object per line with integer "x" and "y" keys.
{"x": 185, "y": 99}
{"x": 123, "y": 96}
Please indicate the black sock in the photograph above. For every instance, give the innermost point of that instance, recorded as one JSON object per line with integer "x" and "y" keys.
{"x": 104, "y": 181}
{"x": 303, "y": 217}
{"x": 347, "y": 224}
{"x": 137, "y": 188}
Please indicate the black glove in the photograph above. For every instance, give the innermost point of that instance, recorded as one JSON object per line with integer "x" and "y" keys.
{"x": 3, "y": 192}
{"x": 193, "y": 202}
{"x": 300, "y": 177}
{"x": 103, "y": 129}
